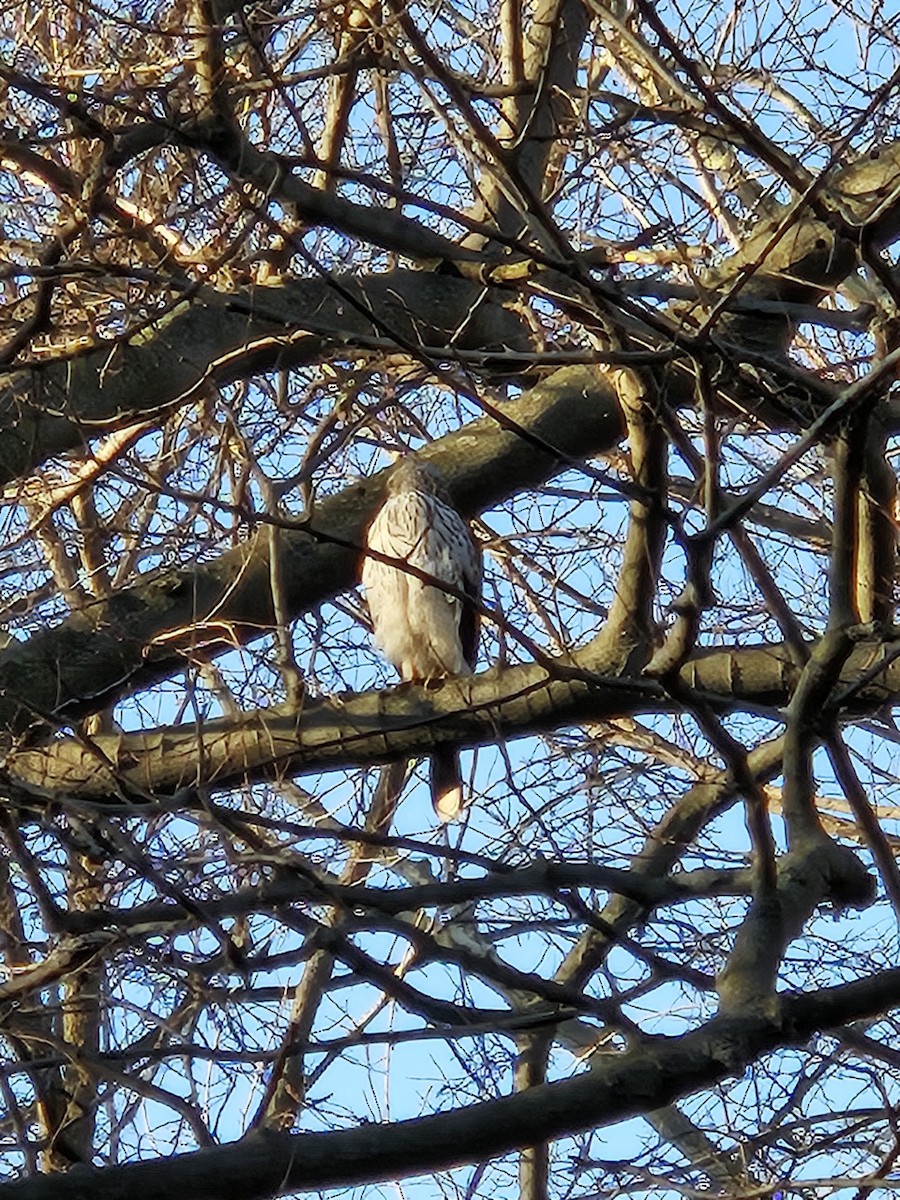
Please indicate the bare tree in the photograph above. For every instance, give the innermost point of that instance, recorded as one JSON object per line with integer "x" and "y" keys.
{"x": 625, "y": 275}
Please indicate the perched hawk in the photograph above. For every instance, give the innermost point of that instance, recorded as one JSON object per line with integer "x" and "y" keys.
{"x": 425, "y": 632}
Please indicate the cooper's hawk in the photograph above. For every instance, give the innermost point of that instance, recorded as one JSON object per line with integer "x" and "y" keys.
{"x": 426, "y": 632}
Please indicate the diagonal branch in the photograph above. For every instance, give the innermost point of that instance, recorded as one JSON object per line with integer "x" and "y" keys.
{"x": 80, "y": 667}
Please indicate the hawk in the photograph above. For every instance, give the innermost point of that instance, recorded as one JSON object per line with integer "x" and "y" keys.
{"x": 426, "y": 632}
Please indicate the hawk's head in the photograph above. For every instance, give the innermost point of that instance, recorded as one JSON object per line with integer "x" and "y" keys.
{"x": 415, "y": 475}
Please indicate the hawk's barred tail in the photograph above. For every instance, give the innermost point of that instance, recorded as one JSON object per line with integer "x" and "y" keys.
{"x": 446, "y": 783}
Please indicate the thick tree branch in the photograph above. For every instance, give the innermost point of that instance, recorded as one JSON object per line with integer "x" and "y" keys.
{"x": 373, "y": 727}
{"x": 218, "y": 337}
{"x": 620, "y": 1086}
